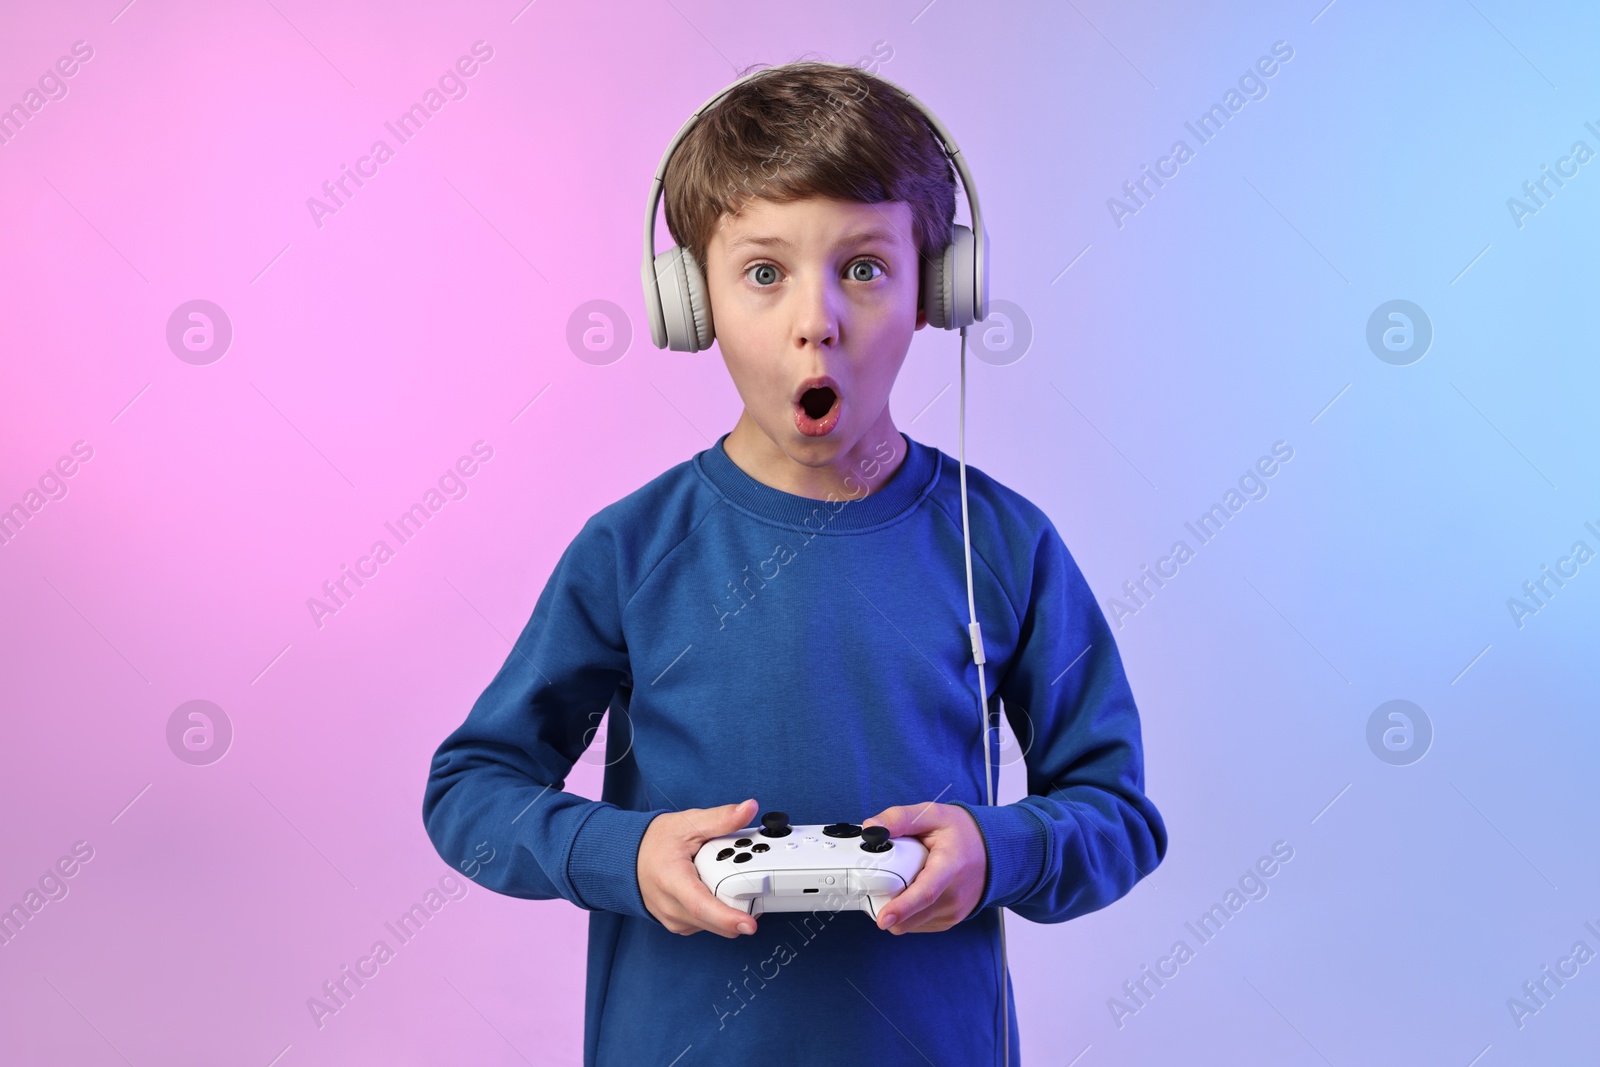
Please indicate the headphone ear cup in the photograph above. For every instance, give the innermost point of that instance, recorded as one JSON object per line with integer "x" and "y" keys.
{"x": 949, "y": 283}
{"x": 699, "y": 303}
{"x": 685, "y": 307}
{"x": 935, "y": 293}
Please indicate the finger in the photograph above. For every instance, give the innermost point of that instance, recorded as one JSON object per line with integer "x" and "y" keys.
{"x": 924, "y": 890}
{"x": 731, "y": 817}
{"x": 900, "y": 917}
{"x": 939, "y": 914}
{"x": 954, "y": 905}
{"x": 908, "y": 820}
{"x": 933, "y": 920}
{"x": 711, "y": 914}
{"x": 895, "y": 819}
{"x": 702, "y": 907}
{"x": 706, "y": 823}
{"x": 925, "y": 817}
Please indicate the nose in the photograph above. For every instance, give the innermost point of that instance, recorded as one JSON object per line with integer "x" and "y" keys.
{"x": 817, "y": 313}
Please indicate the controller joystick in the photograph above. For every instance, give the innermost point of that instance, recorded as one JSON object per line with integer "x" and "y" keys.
{"x": 775, "y": 824}
{"x": 875, "y": 839}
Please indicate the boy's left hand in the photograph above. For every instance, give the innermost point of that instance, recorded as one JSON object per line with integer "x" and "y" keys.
{"x": 951, "y": 881}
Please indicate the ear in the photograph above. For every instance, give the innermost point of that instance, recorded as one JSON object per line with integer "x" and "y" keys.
{"x": 922, "y": 317}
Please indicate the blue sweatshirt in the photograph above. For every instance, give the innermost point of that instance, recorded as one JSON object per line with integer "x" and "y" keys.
{"x": 814, "y": 655}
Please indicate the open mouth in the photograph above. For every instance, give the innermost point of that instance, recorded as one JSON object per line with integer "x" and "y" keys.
{"x": 816, "y": 412}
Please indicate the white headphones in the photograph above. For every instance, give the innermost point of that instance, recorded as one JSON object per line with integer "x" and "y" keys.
{"x": 955, "y": 287}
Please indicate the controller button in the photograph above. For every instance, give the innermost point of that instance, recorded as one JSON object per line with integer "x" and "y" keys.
{"x": 875, "y": 839}
{"x": 842, "y": 829}
{"x": 741, "y": 857}
{"x": 724, "y": 853}
{"x": 829, "y": 844}
{"x": 760, "y": 846}
{"x": 743, "y": 842}
{"x": 791, "y": 844}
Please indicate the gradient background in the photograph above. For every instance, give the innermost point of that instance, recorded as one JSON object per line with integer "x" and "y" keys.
{"x": 1166, "y": 356}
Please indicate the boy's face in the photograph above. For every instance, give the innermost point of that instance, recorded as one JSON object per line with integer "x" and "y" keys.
{"x": 807, "y": 290}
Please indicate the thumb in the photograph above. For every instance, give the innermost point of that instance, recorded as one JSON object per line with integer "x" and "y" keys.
{"x": 731, "y": 817}
{"x": 897, "y": 819}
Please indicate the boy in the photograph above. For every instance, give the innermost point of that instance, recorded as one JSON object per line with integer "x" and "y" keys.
{"x": 782, "y": 619}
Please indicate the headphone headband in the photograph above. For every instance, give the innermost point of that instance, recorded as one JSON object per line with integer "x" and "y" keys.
{"x": 676, "y": 271}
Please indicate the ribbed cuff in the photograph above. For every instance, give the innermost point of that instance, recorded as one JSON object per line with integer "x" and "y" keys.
{"x": 603, "y": 865}
{"x": 1015, "y": 837}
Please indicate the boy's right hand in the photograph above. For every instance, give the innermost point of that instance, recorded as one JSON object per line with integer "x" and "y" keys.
{"x": 671, "y": 887}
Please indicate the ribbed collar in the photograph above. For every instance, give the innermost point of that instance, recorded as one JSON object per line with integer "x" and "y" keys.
{"x": 902, "y": 492}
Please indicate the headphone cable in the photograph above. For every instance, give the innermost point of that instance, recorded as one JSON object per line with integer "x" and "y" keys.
{"x": 976, "y": 636}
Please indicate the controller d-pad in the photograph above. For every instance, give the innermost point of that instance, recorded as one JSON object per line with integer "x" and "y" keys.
{"x": 724, "y": 853}
{"x": 741, "y": 857}
{"x": 842, "y": 829}
{"x": 760, "y": 846}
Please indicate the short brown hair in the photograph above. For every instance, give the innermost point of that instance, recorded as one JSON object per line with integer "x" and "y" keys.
{"x": 809, "y": 129}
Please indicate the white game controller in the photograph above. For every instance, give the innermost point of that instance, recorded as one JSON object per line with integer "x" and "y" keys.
{"x": 778, "y": 867}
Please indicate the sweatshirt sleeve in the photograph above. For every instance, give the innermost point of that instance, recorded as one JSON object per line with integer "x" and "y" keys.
{"x": 495, "y": 786}
{"x": 1086, "y": 833}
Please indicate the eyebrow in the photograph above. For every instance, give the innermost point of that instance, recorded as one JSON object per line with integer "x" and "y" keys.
{"x": 850, "y": 239}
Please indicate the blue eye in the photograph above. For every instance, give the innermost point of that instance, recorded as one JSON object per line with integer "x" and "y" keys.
{"x": 765, "y": 275}
{"x": 865, "y": 263}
